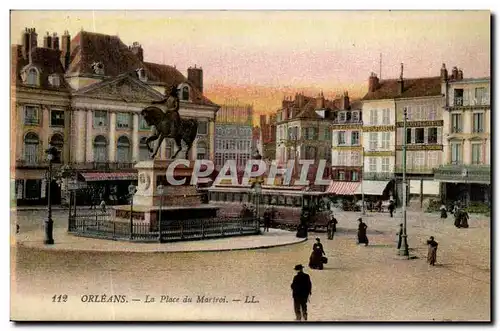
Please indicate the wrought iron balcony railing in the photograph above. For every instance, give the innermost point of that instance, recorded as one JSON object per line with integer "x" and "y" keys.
{"x": 460, "y": 101}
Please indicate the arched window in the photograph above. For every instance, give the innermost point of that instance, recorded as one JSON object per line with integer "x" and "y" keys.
{"x": 185, "y": 93}
{"x": 123, "y": 150}
{"x": 143, "y": 150}
{"x": 169, "y": 148}
{"x": 31, "y": 144}
{"x": 57, "y": 141}
{"x": 201, "y": 151}
{"x": 32, "y": 77}
{"x": 100, "y": 149}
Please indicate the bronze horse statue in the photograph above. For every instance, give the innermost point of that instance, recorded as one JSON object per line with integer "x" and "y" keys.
{"x": 163, "y": 128}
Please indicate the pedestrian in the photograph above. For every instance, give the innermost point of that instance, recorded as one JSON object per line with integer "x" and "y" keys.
{"x": 391, "y": 207}
{"x": 17, "y": 228}
{"x": 464, "y": 217}
{"x": 301, "y": 290}
{"x": 400, "y": 235}
{"x": 331, "y": 227}
{"x": 457, "y": 214}
{"x": 267, "y": 220}
{"x": 432, "y": 251}
{"x": 443, "y": 211}
{"x": 316, "y": 259}
{"x": 362, "y": 238}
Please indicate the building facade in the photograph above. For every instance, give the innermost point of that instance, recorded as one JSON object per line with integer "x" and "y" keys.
{"x": 85, "y": 97}
{"x": 465, "y": 173}
{"x": 234, "y": 135}
{"x": 268, "y": 136}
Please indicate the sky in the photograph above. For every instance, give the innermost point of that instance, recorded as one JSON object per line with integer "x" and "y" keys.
{"x": 259, "y": 57}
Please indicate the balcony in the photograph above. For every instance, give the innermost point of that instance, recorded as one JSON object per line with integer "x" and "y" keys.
{"x": 103, "y": 166}
{"x": 464, "y": 174}
{"x": 350, "y": 121}
{"x": 377, "y": 176}
{"x": 461, "y": 102}
{"x": 414, "y": 169}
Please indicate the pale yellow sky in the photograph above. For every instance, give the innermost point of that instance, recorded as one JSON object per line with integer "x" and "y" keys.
{"x": 243, "y": 53}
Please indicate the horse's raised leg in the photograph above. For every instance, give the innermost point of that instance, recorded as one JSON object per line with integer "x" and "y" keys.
{"x": 178, "y": 143}
{"x": 150, "y": 139}
{"x": 160, "y": 140}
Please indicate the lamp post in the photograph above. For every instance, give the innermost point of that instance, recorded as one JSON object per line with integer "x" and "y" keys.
{"x": 52, "y": 156}
{"x": 131, "y": 192}
{"x": 258, "y": 190}
{"x": 404, "y": 243}
{"x": 160, "y": 191}
{"x": 362, "y": 180}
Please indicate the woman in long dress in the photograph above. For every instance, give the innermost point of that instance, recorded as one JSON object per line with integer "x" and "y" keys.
{"x": 362, "y": 238}
{"x": 432, "y": 251}
{"x": 316, "y": 261}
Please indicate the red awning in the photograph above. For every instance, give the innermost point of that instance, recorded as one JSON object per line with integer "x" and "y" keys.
{"x": 342, "y": 188}
{"x": 102, "y": 176}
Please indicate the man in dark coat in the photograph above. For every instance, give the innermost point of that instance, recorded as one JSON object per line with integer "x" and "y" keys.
{"x": 391, "y": 207}
{"x": 301, "y": 290}
{"x": 458, "y": 217}
{"x": 362, "y": 238}
{"x": 331, "y": 227}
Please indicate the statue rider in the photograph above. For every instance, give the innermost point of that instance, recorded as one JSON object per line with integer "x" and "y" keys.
{"x": 172, "y": 104}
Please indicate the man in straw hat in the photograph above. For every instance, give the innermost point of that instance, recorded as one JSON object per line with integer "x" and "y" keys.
{"x": 301, "y": 290}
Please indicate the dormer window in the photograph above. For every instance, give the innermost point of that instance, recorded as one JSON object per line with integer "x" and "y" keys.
{"x": 185, "y": 93}
{"x": 342, "y": 116}
{"x": 54, "y": 80}
{"x": 141, "y": 73}
{"x": 98, "y": 68}
{"x": 30, "y": 76}
{"x": 355, "y": 116}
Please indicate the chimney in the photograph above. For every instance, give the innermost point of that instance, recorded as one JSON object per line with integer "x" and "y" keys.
{"x": 460, "y": 74}
{"x": 47, "y": 41}
{"x": 320, "y": 101}
{"x": 444, "y": 73}
{"x": 401, "y": 81}
{"x": 344, "y": 101}
{"x": 300, "y": 100}
{"x": 65, "y": 49}
{"x": 55, "y": 41}
{"x": 373, "y": 82}
{"x": 454, "y": 73}
{"x": 25, "y": 43}
{"x": 136, "y": 48}
{"x": 33, "y": 38}
{"x": 195, "y": 76}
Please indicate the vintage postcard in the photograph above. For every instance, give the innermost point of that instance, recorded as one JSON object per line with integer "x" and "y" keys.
{"x": 250, "y": 166}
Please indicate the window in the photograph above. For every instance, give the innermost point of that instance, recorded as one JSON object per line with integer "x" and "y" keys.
{"x": 31, "y": 143}
{"x": 355, "y": 116}
{"x": 341, "y": 137}
{"x": 122, "y": 120}
{"x": 100, "y": 119}
{"x": 386, "y": 138}
{"x": 341, "y": 175}
{"x": 477, "y": 156}
{"x": 432, "y": 113}
{"x": 432, "y": 135}
{"x": 419, "y": 135}
{"x": 342, "y": 158}
{"x": 418, "y": 160}
{"x": 373, "y": 140}
{"x": 143, "y": 149}
{"x": 456, "y": 153}
{"x": 479, "y": 95}
{"x": 30, "y": 115}
{"x": 123, "y": 149}
{"x": 342, "y": 116}
{"x": 408, "y": 136}
{"x": 354, "y": 176}
{"x": 374, "y": 117}
{"x": 385, "y": 164}
{"x": 57, "y": 118}
{"x": 355, "y": 158}
{"x": 201, "y": 151}
{"x": 433, "y": 159}
{"x": 459, "y": 97}
{"x": 100, "y": 149}
{"x": 328, "y": 134}
{"x": 478, "y": 120}
{"x": 32, "y": 77}
{"x": 218, "y": 160}
{"x": 372, "y": 165}
{"x": 143, "y": 125}
{"x": 456, "y": 123}
{"x": 355, "y": 138}
{"x": 185, "y": 93}
{"x": 202, "y": 127}
{"x": 33, "y": 189}
{"x": 385, "y": 116}
{"x": 54, "y": 80}
{"x": 57, "y": 141}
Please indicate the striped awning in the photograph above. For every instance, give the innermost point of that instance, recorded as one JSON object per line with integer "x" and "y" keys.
{"x": 372, "y": 187}
{"x": 342, "y": 188}
{"x": 103, "y": 176}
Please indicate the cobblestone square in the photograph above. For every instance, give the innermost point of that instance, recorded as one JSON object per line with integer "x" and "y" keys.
{"x": 358, "y": 284}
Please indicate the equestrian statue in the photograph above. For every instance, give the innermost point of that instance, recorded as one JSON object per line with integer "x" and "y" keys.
{"x": 169, "y": 124}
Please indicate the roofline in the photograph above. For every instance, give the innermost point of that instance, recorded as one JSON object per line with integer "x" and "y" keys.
{"x": 470, "y": 80}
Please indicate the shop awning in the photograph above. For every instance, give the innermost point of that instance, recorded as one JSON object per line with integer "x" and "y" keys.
{"x": 103, "y": 176}
{"x": 372, "y": 187}
{"x": 342, "y": 188}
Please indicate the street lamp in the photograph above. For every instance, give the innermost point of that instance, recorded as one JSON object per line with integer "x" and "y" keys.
{"x": 131, "y": 192}
{"x": 52, "y": 156}
{"x": 404, "y": 244}
{"x": 362, "y": 180}
{"x": 160, "y": 191}
{"x": 258, "y": 190}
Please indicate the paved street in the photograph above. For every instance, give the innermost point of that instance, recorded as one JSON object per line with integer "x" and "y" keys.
{"x": 359, "y": 283}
